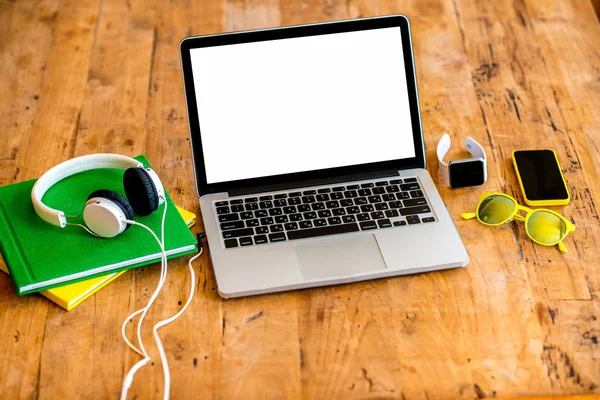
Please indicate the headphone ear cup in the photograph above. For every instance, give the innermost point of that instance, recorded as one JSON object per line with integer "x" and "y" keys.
{"x": 119, "y": 200}
{"x": 140, "y": 191}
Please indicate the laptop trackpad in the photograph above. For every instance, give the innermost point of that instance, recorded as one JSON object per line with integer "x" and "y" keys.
{"x": 339, "y": 257}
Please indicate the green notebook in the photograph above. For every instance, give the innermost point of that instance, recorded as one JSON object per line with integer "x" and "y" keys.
{"x": 41, "y": 256}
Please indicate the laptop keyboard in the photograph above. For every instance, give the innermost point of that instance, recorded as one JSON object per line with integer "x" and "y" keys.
{"x": 291, "y": 215}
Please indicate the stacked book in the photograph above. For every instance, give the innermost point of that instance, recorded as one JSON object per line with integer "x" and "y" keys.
{"x": 68, "y": 265}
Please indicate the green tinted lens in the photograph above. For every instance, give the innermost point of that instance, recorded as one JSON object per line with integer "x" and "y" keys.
{"x": 495, "y": 209}
{"x": 545, "y": 227}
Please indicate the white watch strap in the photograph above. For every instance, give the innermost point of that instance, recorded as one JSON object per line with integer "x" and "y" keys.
{"x": 68, "y": 168}
{"x": 442, "y": 148}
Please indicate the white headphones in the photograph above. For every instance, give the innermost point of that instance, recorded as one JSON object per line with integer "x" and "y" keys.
{"x": 105, "y": 213}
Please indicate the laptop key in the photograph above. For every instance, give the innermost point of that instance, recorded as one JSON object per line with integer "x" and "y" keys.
{"x": 280, "y": 203}
{"x": 352, "y": 187}
{"x": 225, "y": 226}
{"x": 324, "y": 190}
{"x": 402, "y": 195}
{"x": 377, "y": 215}
{"x": 322, "y": 197}
{"x": 416, "y": 193}
{"x": 391, "y": 213}
{"x": 338, "y": 211}
{"x": 363, "y": 217}
{"x": 276, "y": 237}
{"x": 281, "y": 219}
{"x": 350, "y": 194}
{"x": 264, "y": 198}
{"x": 334, "y": 220}
{"x": 229, "y": 243}
{"x": 290, "y": 226}
{"x": 353, "y": 210}
{"x": 235, "y": 233}
{"x": 381, "y": 183}
{"x": 348, "y": 218}
{"x": 360, "y": 201}
{"x": 415, "y": 202}
{"x": 339, "y": 189}
{"x": 252, "y": 222}
{"x": 392, "y": 189}
{"x": 336, "y": 196}
{"x": 381, "y": 206}
{"x": 410, "y": 186}
{"x": 276, "y": 228}
{"x": 308, "y": 199}
{"x": 395, "y": 181}
{"x": 292, "y": 201}
{"x": 310, "y": 215}
{"x": 280, "y": 196}
{"x": 295, "y": 217}
{"x": 320, "y": 222}
{"x": 384, "y": 223}
{"x": 237, "y": 208}
{"x": 236, "y": 201}
{"x": 289, "y": 210}
{"x": 261, "y": 213}
{"x": 428, "y": 219}
{"x": 261, "y": 229}
{"x": 295, "y": 194}
{"x": 364, "y": 192}
{"x": 303, "y": 208}
{"x": 399, "y": 223}
{"x": 409, "y": 180}
{"x": 228, "y": 217}
{"x": 413, "y": 219}
{"x": 246, "y": 241}
{"x": 347, "y": 202}
{"x": 374, "y": 199}
{"x": 221, "y": 203}
{"x": 260, "y": 239}
{"x": 378, "y": 190}
{"x": 306, "y": 224}
{"x": 414, "y": 210}
{"x": 367, "y": 208}
{"x": 251, "y": 200}
{"x": 267, "y": 221}
{"x": 265, "y": 204}
{"x": 246, "y": 215}
{"x": 388, "y": 197}
{"x": 334, "y": 204}
{"x": 318, "y": 206}
{"x": 368, "y": 225}
{"x": 327, "y": 230}
{"x": 223, "y": 210}
{"x": 308, "y": 192}
{"x": 275, "y": 211}
{"x": 367, "y": 185}
{"x": 251, "y": 206}
{"x": 395, "y": 204}
{"x": 324, "y": 213}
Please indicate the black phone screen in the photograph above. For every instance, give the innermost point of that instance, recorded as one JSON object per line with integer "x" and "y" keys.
{"x": 540, "y": 175}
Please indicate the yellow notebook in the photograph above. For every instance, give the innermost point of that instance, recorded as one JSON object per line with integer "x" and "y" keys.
{"x": 70, "y": 296}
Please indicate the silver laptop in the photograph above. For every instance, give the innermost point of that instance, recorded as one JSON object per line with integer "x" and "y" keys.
{"x": 309, "y": 157}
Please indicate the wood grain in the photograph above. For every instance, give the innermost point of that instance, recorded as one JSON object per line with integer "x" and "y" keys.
{"x": 78, "y": 77}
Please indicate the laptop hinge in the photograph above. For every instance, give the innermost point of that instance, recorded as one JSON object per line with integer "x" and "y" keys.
{"x": 312, "y": 182}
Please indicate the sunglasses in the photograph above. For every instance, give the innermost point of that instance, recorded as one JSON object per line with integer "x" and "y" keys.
{"x": 543, "y": 226}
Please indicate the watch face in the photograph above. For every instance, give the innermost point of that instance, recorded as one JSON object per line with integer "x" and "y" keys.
{"x": 466, "y": 173}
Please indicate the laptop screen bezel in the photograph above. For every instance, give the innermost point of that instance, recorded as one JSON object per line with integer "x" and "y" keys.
{"x": 287, "y": 32}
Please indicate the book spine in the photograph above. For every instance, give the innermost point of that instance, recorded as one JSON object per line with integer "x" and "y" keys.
{"x": 12, "y": 252}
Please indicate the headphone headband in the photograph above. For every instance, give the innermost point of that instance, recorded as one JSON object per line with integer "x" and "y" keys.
{"x": 68, "y": 168}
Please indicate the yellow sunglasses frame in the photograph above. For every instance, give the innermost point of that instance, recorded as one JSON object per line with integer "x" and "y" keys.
{"x": 515, "y": 215}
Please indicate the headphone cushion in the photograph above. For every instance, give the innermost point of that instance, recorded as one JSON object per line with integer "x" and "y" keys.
{"x": 117, "y": 199}
{"x": 140, "y": 191}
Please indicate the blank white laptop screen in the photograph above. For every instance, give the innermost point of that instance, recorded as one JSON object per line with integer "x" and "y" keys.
{"x": 302, "y": 104}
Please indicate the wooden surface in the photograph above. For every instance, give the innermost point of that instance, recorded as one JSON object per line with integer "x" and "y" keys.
{"x": 85, "y": 76}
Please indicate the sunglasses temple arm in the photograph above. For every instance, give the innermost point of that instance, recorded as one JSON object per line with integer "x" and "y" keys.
{"x": 468, "y": 215}
{"x": 562, "y": 247}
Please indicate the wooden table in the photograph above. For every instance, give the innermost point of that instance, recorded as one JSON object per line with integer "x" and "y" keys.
{"x": 86, "y": 76}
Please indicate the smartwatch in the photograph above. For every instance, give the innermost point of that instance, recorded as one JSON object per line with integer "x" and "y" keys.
{"x": 462, "y": 173}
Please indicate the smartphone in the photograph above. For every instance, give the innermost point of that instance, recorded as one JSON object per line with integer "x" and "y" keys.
{"x": 540, "y": 177}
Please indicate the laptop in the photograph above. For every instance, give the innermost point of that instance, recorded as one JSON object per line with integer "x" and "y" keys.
{"x": 309, "y": 158}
